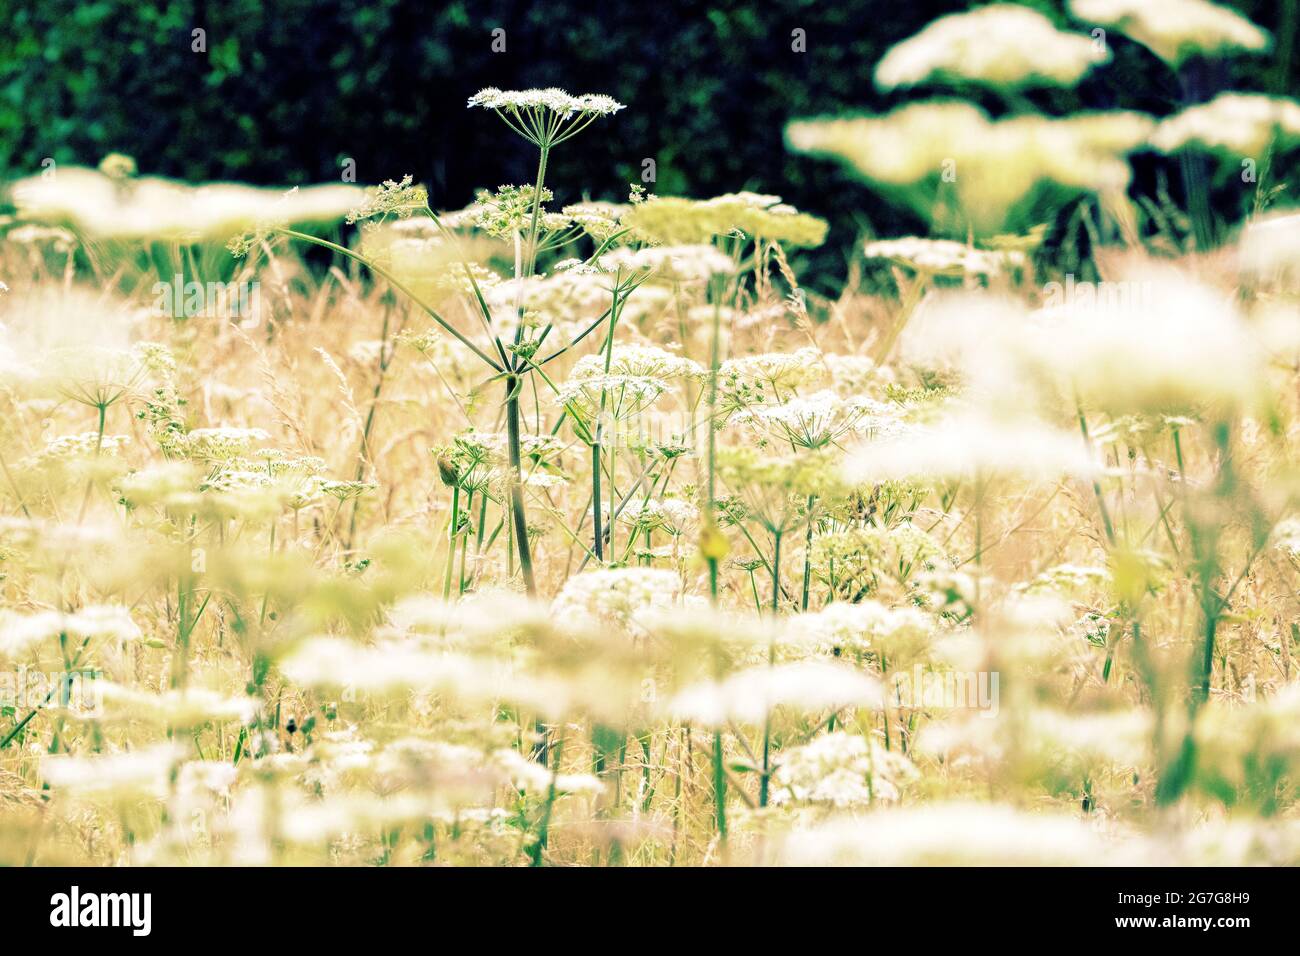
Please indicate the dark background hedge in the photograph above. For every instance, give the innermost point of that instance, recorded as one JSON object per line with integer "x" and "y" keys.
{"x": 288, "y": 90}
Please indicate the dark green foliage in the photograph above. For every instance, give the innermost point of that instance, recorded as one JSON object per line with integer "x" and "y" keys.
{"x": 286, "y": 91}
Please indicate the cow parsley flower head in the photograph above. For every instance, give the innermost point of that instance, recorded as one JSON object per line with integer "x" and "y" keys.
{"x": 507, "y": 211}
{"x": 972, "y": 445}
{"x": 1271, "y": 244}
{"x": 1155, "y": 341}
{"x": 126, "y": 772}
{"x": 21, "y": 632}
{"x": 618, "y": 396}
{"x": 150, "y": 207}
{"x": 676, "y": 220}
{"x": 755, "y": 379}
{"x": 688, "y": 263}
{"x": 600, "y": 220}
{"x": 532, "y": 777}
{"x": 943, "y": 256}
{"x": 545, "y": 117}
{"x": 856, "y": 561}
{"x": 840, "y": 770}
{"x": 391, "y": 198}
{"x": 946, "y": 834}
{"x": 617, "y": 596}
{"x": 70, "y": 447}
{"x": 749, "y": 696}
{"x": 1286, "y": 536}
{"x": 817, "y": 420}
{"x": 183, "y": 707}
{"x": 221, "y": 444}
{"x": 951, "y": 163}
{"x": 643, "y": 360}
{"x": 1234, "y": 124}
{"x": 861, "y": 627}
{"x": 1176, "y": 29}
{"x": 1004, "y": 45}
{"x": 673, "y": 516}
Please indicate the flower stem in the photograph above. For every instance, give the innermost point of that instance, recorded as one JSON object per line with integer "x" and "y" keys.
{"x": 451, "y": 541}
{"x": 595, "y": 500}
{"x": 516, "y": 489}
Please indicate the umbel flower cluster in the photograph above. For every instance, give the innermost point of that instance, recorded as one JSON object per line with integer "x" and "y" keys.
{"x": 569, "y": 531}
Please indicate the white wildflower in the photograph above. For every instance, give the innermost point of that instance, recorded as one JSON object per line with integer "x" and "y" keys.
{"x": 750, "y": 695}
{"x": 1001, "y": 44}
{"x": 840, "y": 770}
{"x": 1175, "y": 29}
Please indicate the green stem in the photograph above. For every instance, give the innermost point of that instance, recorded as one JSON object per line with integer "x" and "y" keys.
{"x": 807, "y": 552}
{"x": 516, "y": 488}
{"x": 595, "y": 499}
{"x": 776, "y": 571}
{"x": 451, "y": 541}
{"x": 530, "y": 264}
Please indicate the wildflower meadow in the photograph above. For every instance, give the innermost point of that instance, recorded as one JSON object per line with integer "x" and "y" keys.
{"x": 589, "y": 524}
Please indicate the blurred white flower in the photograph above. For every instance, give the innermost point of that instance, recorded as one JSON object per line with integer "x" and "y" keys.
{"x": 1001, "y": 44}
{"x": 971, "y": 445}
{"x": 950, "y": 162}
{"x": 21, "y": 632}
{"x": 965, "y": 834}
{"x": 1237, "y": 124}
{"x": 1175, "y": 29}
{"x": 750, "y": 695}
{"x": 943, "y": 256}
{"x": 144, "y": 771}
{"x": 839, "y": 770}
{"x": 618, "y": 596}
{"x": 149, "y": 208}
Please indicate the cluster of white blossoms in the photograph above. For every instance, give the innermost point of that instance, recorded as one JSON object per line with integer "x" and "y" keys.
{"x": 1165, "y": 342}
{"x": 566, "y": 298}
{"x": 676, "y": 220}
{"x": 673, "y": 516}
{"x": 1001, "y": 44}
{"x": 1072, "y": 579}
{"x": 1271, "y": 244}
{"x": 821, "y": 419}
{"x": 1175, "y": 29}
{"x": 645, "y": 361}
{"x": 150, "y": 207}
{"x": 1286, "y": 536}
{"x": 944, "y": 256}
{"x": 618, "y": 596}
{"x": 250, "y": 488}
{"x": 144, "y": 771}
{"x": 551, "y": 99}
{"x": 180, "y": 707}
{"x": 532, "y": 777}
{"x": 220, "y": 444}
{"x": 386, "y": 666}
{"x": 859, "y": 627}
{"x": 770, "y": 377}
{"x": 691, "y": 263}
{"x": 948, "y": 834}
{"x": 84, "y": 445}
{"x": 1001, "y": 165}
{"x": 751, "y": 696}
{"x": 22, "y": 632}
{"x": 600, "y": 220}
{"x": 840, "y": 770}
{"x": 972, "y": 445}
{"x": 1240, "y": 124}
{"x": 618, "y": 396}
